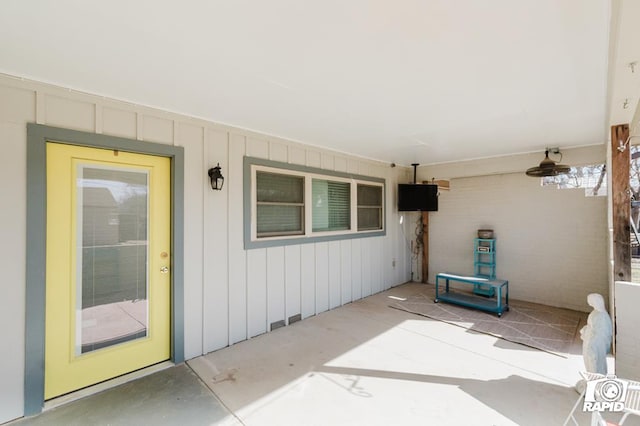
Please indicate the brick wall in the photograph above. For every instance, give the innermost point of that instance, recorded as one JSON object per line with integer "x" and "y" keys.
{"x": 551, "y": 244}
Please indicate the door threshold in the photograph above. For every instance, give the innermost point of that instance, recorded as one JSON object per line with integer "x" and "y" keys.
{"x": 107, "y": 384}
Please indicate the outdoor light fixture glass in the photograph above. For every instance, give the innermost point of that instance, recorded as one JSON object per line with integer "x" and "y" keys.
{"x": 217, "y": 180}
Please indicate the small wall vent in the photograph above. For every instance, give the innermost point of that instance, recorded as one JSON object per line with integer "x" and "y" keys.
{"x": 294, "y": 318}
{"x": 277, "y": 324}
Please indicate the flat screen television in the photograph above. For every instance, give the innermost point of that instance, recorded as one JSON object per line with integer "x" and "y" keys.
{"x": 417, "y": 197}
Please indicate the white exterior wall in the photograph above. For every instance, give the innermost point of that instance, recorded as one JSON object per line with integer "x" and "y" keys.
{"x": 627, "y": 316}
{"x": 230, "y": 294}
{"x": 551, "y": 244}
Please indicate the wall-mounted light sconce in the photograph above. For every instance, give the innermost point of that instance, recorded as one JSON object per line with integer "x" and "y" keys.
{"x": 217, "y": 180}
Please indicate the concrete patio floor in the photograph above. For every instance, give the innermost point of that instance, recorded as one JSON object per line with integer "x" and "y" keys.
{"x": 361, "y": 364}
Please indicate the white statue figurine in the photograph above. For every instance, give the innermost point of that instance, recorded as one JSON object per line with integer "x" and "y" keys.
{"x": 596, "y": 336}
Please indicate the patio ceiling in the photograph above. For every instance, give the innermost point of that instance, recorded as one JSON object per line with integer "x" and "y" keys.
{"x": 406, "y": 81}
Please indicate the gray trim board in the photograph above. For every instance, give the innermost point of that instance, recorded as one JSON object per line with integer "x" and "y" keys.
{"x": 177, "y": 262}
{"x": 37, "y": 137}
{"x": 246, "y": 189}
{"x": 35, "y": 276}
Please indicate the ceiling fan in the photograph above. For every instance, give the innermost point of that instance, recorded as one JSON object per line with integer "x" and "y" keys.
{"x": 548, "y": 167}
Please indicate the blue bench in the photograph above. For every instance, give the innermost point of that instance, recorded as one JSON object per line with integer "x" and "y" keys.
{"x": 489, "y": 304}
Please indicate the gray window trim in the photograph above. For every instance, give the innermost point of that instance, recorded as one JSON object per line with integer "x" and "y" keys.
{"x": 37, "y": 137}
{"x": 253, "y": 161}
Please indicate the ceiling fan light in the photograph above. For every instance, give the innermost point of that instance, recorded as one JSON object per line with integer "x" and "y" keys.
{"x": 548, "y": 167}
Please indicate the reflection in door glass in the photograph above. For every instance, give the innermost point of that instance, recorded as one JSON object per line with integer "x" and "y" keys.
{"x": 112, "y": 271}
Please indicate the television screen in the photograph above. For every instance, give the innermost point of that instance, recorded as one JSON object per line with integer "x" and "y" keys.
{"x": 417, "y": 197}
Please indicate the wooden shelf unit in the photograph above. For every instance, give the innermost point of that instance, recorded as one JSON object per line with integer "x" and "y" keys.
{"x": 484, "y": 264}
{"x": 497, "y": 304}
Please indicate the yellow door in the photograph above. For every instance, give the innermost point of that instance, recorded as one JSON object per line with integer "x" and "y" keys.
{"x": 107, "y": 265}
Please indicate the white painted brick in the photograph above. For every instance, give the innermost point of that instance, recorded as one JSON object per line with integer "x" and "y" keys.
{"x": 549, "y": 253}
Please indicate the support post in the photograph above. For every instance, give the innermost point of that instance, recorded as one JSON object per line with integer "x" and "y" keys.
{"x": 621, "y": 202}
{"x": 425, "y": 246}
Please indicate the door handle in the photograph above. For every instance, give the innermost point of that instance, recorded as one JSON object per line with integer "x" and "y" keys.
{"x": 164, "y": 269}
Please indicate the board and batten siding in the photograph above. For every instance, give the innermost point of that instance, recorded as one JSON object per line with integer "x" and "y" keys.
{"x": 231, "y": 294}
